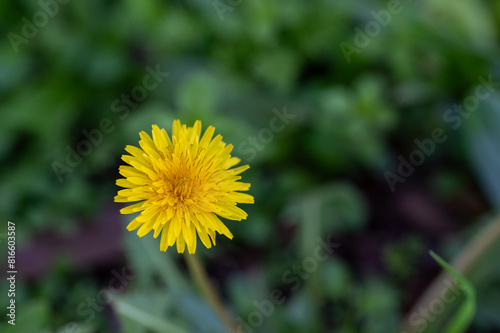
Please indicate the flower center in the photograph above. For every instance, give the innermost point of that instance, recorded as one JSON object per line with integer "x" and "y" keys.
{"x": 181, "y": 187}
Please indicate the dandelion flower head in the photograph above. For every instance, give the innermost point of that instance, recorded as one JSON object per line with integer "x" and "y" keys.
{"x": 182, "y": 186}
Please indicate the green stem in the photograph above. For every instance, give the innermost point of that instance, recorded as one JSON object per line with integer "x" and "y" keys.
{"x": 201, "y": 278}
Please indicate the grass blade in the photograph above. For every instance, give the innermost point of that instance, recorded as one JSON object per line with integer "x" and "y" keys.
{"x": 465, "y": 313}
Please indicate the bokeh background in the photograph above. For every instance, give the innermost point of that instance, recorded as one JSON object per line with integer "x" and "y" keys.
{"x": 69, "y": 70}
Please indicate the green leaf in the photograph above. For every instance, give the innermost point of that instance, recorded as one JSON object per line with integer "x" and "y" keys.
{"x": 146, "y": 319}
{"x": 465, "y": 313}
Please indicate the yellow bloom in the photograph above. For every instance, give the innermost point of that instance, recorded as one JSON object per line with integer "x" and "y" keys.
{"x": 182, "y": 185}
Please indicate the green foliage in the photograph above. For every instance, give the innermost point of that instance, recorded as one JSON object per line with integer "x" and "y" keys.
{"x": 321, "y": 175}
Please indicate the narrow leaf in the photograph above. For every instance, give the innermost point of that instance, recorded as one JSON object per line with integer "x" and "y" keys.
{"x": 465, "y": 313}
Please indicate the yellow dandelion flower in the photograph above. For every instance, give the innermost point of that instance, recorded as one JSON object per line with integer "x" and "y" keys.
{"x": 182, "y": 186}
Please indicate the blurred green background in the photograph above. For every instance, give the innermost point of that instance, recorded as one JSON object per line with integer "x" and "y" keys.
{"x": 360, "y": 80}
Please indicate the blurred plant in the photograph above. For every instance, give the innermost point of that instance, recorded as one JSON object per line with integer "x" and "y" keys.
{"x": 353, "y": 123}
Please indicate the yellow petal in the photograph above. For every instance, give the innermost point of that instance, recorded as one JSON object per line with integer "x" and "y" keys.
{"x": 241, "y": 197}
{"x": 163, "y": 243}
{"x": 137, "y": 153}
{"x": 128, "y": 171}
{"x": 146, "y": 228}
{"x": 166, "y": 138}
{"x": 231, "y": 162}
{"x": 207, "y": 137}
{"x": 148, "y": 145}
{"x": 194, "y": 132}
{"x": 189, "y": 234}
{"x": 211, "y": 233}
{"x": 220, "y": 227}
{"x": 232, "y": 212}
{"x": 121, "y": 198}
{"x": 132, "y": 208}
{"x": 176, "y": 128}
{"x": 181, "y": 244}
{"x": 134, "y": 224}
{"x": 202, "y": 232}
{"x": 238, "y": 170}
{"x": 158, "y": 139}
{"x": 124, "y": 183}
